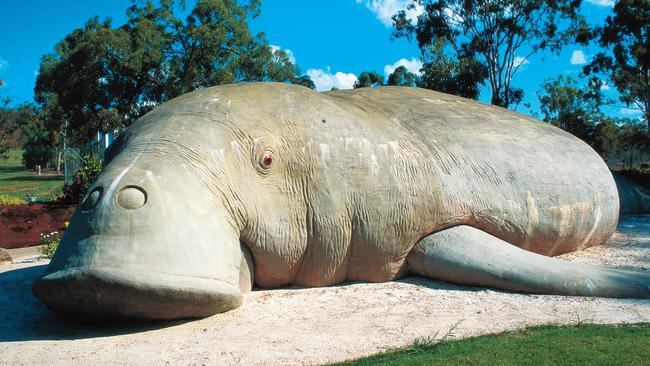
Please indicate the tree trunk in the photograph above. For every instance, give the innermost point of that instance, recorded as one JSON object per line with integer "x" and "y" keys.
{"x": 58, "y": 163}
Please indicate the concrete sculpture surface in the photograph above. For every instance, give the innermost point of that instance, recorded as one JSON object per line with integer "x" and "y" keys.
{"x": 270, "y": 185}
{"x": 634, "y": 198}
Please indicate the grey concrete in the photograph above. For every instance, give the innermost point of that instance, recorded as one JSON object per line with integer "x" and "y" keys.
{"x": 634, "y": 198}
{"x": 310, "y": 189}
{"x": 468, "y": 256}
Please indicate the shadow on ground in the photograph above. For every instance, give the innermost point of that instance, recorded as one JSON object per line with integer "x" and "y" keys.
{"x": 24, "y": 318}
{"x": 11, "y": 169}
{"x": 34, "y": 178}
{"x": 634, "y": 225}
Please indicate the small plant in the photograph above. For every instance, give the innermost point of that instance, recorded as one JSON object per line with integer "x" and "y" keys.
{"x": 49, "y": 244}
{"x": 90, "y": 169}
{"x": 10, "y": 200}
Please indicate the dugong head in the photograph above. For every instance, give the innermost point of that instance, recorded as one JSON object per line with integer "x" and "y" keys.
{"x": 162, "y": 232}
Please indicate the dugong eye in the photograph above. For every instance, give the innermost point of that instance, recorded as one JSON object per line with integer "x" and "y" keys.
{"x": 266, "y": 160}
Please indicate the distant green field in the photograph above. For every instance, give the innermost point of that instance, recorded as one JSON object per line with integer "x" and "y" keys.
{"x": 544, "y": 345}
{"x": 16, "y": 181}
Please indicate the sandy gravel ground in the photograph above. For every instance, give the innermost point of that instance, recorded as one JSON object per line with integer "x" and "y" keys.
{"x": 311, "y": 326}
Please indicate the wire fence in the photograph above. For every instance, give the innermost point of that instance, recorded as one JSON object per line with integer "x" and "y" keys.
{"x": 73, "y": 156}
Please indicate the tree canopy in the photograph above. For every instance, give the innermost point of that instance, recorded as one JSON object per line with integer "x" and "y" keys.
{"x": 368, "y": 79}
{"x": 104, "y": 78}
{"x": 573, "y": 108}
{"x": 577, "y": 109}
{"x": 462, "y": 77}
{"x": 626, "y": 36}
{"x": 4, "y": 130}
{"x": 402, "y": 77}
{"x": 487, "y": 39}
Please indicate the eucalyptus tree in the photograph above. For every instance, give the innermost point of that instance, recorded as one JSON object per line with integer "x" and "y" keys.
{"x": 103, "y": 78}
{"x": 494, "y": 38}
{"x": 368, "y": 79}
{"x": 401, "y": 76}
{"x": 625, "y": 36}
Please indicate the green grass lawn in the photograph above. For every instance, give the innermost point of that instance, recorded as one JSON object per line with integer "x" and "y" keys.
{"x": 545, "y": 345}
{"x": 16, "y": 181}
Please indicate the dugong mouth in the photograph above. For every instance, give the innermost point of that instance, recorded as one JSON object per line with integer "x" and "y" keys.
{"x": 97, "y": 294}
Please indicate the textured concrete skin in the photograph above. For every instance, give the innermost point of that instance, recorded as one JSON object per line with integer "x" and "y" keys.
{"x": 634, "y": 198}
{"x": 277, "y": 185}
{"x": 469, "y": 256}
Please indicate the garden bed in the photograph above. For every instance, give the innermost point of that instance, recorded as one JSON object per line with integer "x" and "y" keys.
{"x": 22, "y": 225}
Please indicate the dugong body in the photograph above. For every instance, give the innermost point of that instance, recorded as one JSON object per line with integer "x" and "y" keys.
{"x": 271, "y": 185}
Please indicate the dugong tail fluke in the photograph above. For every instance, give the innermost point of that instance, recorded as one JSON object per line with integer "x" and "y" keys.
{"x": 468, "y": 256}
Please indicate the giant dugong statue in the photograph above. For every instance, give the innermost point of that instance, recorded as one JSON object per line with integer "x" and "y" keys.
{"x": 272, "y": 185}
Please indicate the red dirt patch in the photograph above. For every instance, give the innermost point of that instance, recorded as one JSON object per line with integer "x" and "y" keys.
{"x": 21, "y": 225}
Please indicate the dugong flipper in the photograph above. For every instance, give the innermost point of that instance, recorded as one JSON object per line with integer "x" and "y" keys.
{"x": 468, "y": 256}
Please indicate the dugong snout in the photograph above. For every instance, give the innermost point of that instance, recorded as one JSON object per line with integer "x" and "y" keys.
{"x": 135, "y": 250}
{"x": 97, "y": 294}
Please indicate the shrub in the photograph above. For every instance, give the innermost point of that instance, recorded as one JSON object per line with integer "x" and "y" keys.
{"x": 38, "y": 148}
{"x": 90, "y": 169}
{"x": 49, "y": 244}
{"x": 10, "y": 200}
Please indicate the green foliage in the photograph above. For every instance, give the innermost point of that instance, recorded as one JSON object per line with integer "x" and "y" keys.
{"x": 305, "y": 81}
{"x": 402, "y": 77}
{"x": 37, "y": 149}
{"x": 25, "y": 127}
{"x": 49, "y": 243}
{"x": 4, "y": 132}
{"x": 489, "y": 39}
{"x": 627, "y": 36}
{"x": 103, "y": 77}
{"x": 577, "y": 109}
{"x": 543, "y": 345}
{"x": 90, "y": 169}
{"x": 6, "y": 199}
{"x": 368, "y": 79}
{"x": 570, "y": 107}
{"x": 634, "y": 137}
{"x": 461, "y": 77}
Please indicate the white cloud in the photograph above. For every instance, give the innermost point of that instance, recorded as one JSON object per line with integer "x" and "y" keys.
{"x": 455, "y": 18}
{"x": 604, "y": 87}
{"x": 578, "y": 58}
{"x": 325, "y": 80}
{"x": 519, "y": 61}
{"x": 287, "y": 51}
{"x": 3, "y": 63}
{"x": 413, "y": 65}
{"x": 385, "y": 9}
{"x": 603, "y": 3}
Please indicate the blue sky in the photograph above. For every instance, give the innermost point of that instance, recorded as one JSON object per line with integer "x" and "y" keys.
{"x": 331, "y": 40}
